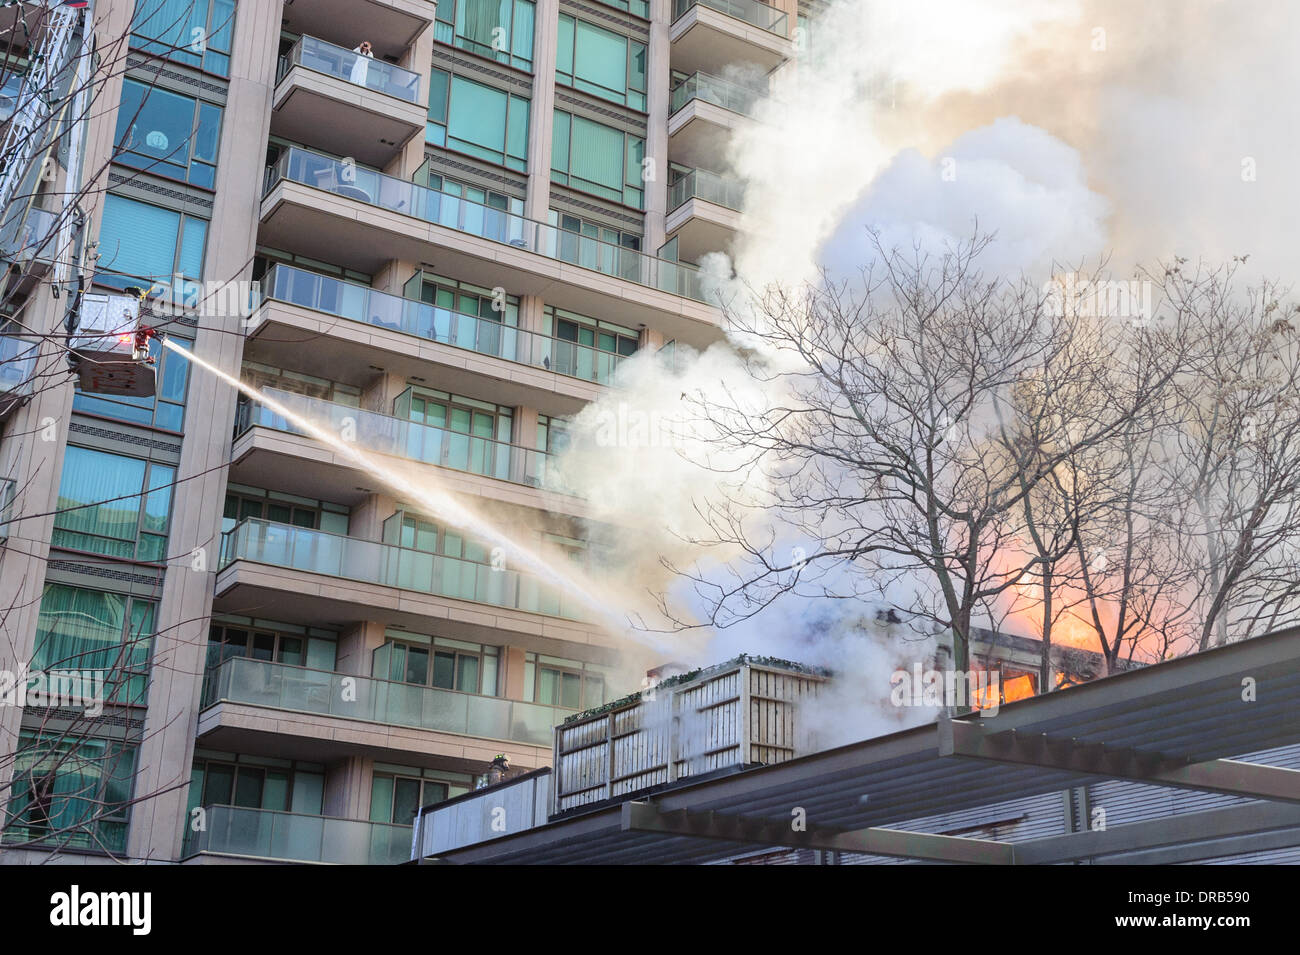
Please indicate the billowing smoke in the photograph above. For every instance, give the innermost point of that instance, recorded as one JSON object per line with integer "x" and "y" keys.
{"x": 1072, "y": 129}
{"x": 1019, "y": 180}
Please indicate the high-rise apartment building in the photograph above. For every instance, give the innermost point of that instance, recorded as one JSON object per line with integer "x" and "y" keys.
{"x": 461, "y": 216}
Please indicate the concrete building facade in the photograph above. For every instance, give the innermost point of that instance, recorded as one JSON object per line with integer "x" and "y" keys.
{"x": 439, "y": 227}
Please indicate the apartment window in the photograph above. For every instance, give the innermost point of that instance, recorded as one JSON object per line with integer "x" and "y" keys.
{"x": 169, "y": 134}
{"x": 462, "y": 297}
{"x": 602, "y": 254}
{"x": 638, "y": 8}
{"x": 113, "y": 505}
{"x": 79, "y": 629}
{"x": 438, "y": 662}
{"x": 559, "y": 682}
{"x": 226, "y": 642}
{"x": 589, "y": 332}
{"x": 501, "y": 30}
{"x": 398, "y": 792}
{"x": 552, "y": 434}
{"x": 165, "y": 410}
{"x": 267, "y": 257}
{"x": 601, "y": 62}
{"x": 476, "y": 194}
{"x": 70, "y": 792}
{"x": 248, "y": 782}
{"x": 418, "y": 533}
{"x": 265, "y": 640}
{"x": 282, "y": 379}
{"x": 455, "y": 413}
{"x": 598, "y": 159}
{"x": 470, "y": 435}
{"x": 197, "y": 33}
{"x": 244, "y": 504}
{"x": 146, "y": 245}
{"x": 478, "y": 120}
{"x": 506, "y": 228}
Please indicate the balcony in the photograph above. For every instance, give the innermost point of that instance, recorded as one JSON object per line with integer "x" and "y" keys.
{"x": 362, "y": 219}
{"x": 346, "y": 103}
{"x": 17, "y": 366}
{"x": 295, "y": 837}
{"x": 270, "y": 451}
{"x": 28, "y": 239}
{"x": 10, "y": 91}
{"x": 712, "y": 34}
{"x": 525, "y": 367}
{"x": 391, "y": 26}
{"x": 704, "y": 213}
{"x": 703, "y": 112}
{"x": 319, "y": 579}
{"x": 247, "y": 682}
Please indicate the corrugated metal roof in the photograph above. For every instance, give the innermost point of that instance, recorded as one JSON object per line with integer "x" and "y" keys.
{"x": 1190, "y": 707}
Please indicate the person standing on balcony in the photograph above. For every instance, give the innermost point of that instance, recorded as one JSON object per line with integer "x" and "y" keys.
{"x": 361, "y": 62}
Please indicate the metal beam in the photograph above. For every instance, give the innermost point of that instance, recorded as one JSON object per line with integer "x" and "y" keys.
{"x": 644, "y": 817}
{"x": 1268, "y": 656}
{"x": 1192, "y": 827}
{"x": 1230, "y": 776}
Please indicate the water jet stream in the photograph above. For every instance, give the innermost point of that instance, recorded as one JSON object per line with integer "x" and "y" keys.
{"x": 438, "y": 503}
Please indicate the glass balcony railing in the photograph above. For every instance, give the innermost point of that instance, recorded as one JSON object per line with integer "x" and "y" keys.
{"x": 453, "y": 212}
{"x": 342, "y": 63}
{"x": 714, "y": 89}
{"x": 297, "y": 837}
{"x": 322, "y": 293}
{"x": 17, "y": 364}
{"x": 709, "y": 186}
{"x": 317, "y": 552}
{"x": 28, "y": 234}
{"x": 10, "y": 92}
{"x": 285, "y": 687}
{"x": 751, "y": 11}
{"x": 385, "y": 434}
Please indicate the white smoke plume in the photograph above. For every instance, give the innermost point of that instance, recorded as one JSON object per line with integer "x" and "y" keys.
{"x": 1070, "y": 128}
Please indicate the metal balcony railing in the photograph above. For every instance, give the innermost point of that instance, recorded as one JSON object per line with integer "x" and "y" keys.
{"x": 297, "y": 837}
{"x": 453, "y": 212}
{"x": 385, "y": 434}
{"x": 714, "y": 89}
{"x": 709, "y": 186}
{"x": 750, "y": 11}
{"x": 344, "y": 64}
{"x": 284, "y": 687}
{"x": 323, "y": 293}
{"x": 317, "y": 552}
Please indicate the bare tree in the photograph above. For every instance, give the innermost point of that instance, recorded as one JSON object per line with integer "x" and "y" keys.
{"x": 918, "y": 416}
{"x": 67, "y": 781}
{"x": 970, "y": 447}
{"x": 1236, "y": 445}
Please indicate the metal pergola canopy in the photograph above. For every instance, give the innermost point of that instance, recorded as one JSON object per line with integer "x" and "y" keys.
{"x": 1176, "y": 724}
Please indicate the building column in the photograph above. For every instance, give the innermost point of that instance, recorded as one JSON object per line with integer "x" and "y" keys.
{"x": 512, "y": 662}
{"x": 656, "y": 144}
{"x": 545, "y": 39}
{"x": 418, "y": 59}
{"x": 356, "y": 645}
{"x": 347, "y": 788}
{"x": 167, "y": 749}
